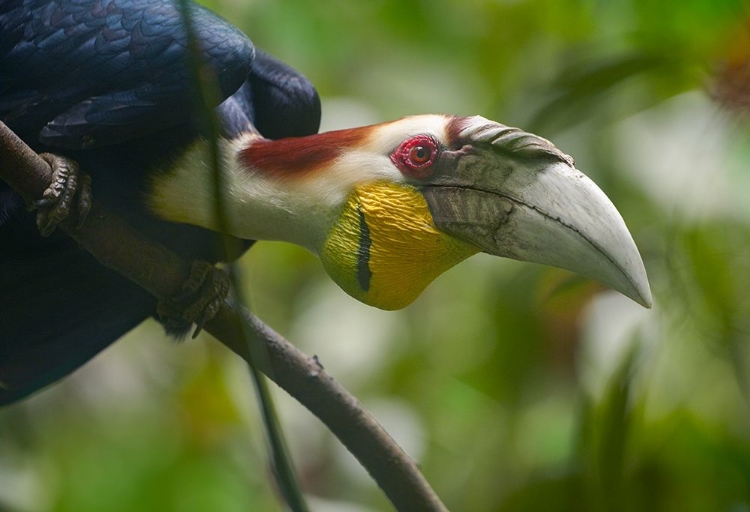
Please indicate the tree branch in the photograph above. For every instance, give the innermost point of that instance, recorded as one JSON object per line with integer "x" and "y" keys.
{"x": 162, "y": 272}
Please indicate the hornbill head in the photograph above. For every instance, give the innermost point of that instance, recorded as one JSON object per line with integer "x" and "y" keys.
{"x": 390, "y": 207}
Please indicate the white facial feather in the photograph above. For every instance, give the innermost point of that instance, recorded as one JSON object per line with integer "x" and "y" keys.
{"x": 387, "y": 137}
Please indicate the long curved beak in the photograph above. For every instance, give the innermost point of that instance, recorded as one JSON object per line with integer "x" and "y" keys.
{"x": 514, "y": 194}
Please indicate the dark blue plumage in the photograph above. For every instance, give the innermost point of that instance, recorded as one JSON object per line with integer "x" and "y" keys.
{"x": 106, "y": 82}
{"x": 92, "y": 73}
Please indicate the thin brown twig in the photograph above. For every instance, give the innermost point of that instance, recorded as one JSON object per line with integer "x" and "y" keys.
{"x": 162, "y": 273}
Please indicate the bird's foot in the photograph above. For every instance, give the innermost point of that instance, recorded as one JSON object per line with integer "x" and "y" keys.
{"x": 197, "y": 303}
{"x": 70, "y": 188}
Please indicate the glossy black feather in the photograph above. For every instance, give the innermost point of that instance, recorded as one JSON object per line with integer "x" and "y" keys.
{"x": 106, "y": 83}
{"x": 81, "y": 74}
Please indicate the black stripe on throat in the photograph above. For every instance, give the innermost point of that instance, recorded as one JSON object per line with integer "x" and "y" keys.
{"x": 364, "y": 274}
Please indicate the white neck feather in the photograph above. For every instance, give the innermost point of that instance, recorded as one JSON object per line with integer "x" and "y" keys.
{"x": 257, "y": 207}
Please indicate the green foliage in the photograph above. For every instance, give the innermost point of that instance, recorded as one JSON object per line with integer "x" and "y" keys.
{"x": 518, "y": 387}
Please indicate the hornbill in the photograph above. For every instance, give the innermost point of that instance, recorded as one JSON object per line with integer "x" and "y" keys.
{"x": 106, "y": 84}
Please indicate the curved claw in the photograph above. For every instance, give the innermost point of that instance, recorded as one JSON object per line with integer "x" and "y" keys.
{"x": 197, "y": 303}
{"x": 84, "y": 200}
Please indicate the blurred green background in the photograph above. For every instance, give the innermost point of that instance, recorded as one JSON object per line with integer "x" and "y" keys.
{"x": 517, "y": 387}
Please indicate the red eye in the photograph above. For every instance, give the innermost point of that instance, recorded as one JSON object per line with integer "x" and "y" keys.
{"x": 419, "y": 155}
{"x": 415, "y": 156}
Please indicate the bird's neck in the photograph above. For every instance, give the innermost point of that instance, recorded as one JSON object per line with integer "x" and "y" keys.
{"x": 261, "y": 201}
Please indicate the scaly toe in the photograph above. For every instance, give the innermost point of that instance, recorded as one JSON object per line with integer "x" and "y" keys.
{"x": 69, "y": 187}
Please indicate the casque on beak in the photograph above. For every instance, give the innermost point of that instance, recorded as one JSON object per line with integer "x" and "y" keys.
{"x": 514, "y": 194}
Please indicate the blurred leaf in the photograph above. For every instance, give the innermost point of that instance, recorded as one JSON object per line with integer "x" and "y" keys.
{"x": 585, "y": 86}
{"x": 608, "y": 437}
